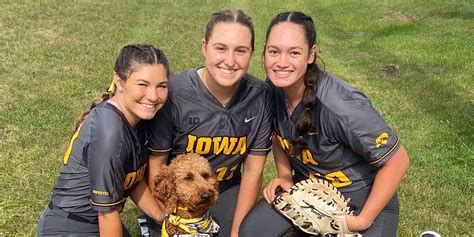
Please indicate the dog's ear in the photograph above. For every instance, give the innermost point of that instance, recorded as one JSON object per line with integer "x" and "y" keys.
{"x": 165, "y": 188}
{"x": 216, "y": 187}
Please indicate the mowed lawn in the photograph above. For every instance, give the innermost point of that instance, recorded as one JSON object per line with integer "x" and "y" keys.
{"x": 414, "y": 59}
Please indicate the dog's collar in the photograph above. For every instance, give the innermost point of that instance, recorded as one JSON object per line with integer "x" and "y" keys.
{"x": 195, "y": 227}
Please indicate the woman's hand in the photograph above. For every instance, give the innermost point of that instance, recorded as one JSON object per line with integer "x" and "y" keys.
{"x": 153, "y": 208}
{"x": 160, "y": 213}
{"x": 273, "y": 185}
{"x": 357, "y": 223}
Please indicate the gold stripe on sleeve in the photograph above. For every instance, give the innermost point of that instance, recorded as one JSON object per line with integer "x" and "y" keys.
{"x": 260, "y": 149}
{"x": 386, "y": 154}
{"x": 107, "y": 204}
{"x": 160, "y": 151}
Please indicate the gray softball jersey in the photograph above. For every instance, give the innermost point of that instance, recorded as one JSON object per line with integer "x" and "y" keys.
{"x": 350, "y": 139}
{"x": 104, "y": 162}
{"x": 193, "y": 120}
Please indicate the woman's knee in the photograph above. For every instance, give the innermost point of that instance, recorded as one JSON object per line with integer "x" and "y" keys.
{"x": 386, "y": 224}
{"x": 263, "y": 221}
{"x": 249, "y": 224}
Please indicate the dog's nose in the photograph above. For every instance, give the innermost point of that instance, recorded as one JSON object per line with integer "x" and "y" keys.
{"x": 205, "y": 197}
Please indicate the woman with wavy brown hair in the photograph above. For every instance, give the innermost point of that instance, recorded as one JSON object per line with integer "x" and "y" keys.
{"x": 106, "y": 160}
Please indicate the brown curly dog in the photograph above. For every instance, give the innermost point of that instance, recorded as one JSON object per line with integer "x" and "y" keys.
{"x": 187, "y": 187}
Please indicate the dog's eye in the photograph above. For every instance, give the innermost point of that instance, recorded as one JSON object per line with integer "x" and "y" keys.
{"x": 189, "y": 177}
{"x": 206, "y": 175}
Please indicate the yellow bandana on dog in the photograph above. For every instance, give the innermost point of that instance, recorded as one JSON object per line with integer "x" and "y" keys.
{"x": 195, "y": 227}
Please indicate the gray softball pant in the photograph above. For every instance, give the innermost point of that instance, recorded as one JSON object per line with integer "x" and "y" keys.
{"x": 55, "y": 222}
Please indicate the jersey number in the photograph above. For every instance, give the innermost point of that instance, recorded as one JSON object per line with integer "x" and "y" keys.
{"x": 192, "y": 120}
{"x": 221, "y": 172}
{"x": 338, "y": 178}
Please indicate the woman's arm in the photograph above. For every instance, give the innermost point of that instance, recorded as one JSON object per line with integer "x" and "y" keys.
{"x": 249, "y": 189}
{"x": 283, "y": 165}
{"x": 110, "y": 223}
{"x": 142, "y": 196}
{"x": 155, "y": 164}
{"x": 387, "y": 180}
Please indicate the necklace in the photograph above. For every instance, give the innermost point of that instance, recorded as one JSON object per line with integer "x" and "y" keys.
{"x": 202, "y": 75}
{"x": 288, "y": 109}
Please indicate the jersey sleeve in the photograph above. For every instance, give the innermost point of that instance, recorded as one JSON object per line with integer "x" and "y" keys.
{"x": 262, "y": 145}
{"x": 106, "y": 155}
{"x": 362, "y": 128}
{"x": 160, "y": 130}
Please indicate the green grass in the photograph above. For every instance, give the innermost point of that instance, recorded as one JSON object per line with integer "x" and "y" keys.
{"x": 57, "y": 56}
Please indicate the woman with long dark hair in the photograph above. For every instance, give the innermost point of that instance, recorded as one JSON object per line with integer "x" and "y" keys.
{"x": 325, "y": 128}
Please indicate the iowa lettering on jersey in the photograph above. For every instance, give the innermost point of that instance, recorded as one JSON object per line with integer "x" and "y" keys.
{"x": 134, "y": 177}
{"x": 306, "y": 157}
{"x": 217, "y": 145}
{"x": 337, "y": 178}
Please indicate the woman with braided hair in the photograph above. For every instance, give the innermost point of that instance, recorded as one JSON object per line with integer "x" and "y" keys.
{"x": 106, "y": 159}
{"x": 325, "y": 128}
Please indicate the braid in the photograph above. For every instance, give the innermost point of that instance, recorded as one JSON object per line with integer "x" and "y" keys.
{"x": 305, "y": 122}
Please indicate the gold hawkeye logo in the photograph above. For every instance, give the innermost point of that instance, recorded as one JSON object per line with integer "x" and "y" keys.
{"x": 381, "y": 140}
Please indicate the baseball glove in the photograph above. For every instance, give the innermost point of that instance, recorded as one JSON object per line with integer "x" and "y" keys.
{"x": 316, "y": 207}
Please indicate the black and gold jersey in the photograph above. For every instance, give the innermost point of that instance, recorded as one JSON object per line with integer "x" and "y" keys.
{"x": 350, "y": 139}
{"x": 104, "y": 161}
{"x": 193, "y": 120}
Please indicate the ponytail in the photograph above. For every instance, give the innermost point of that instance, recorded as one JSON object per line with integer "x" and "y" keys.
{"x": 106, "y": 96}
